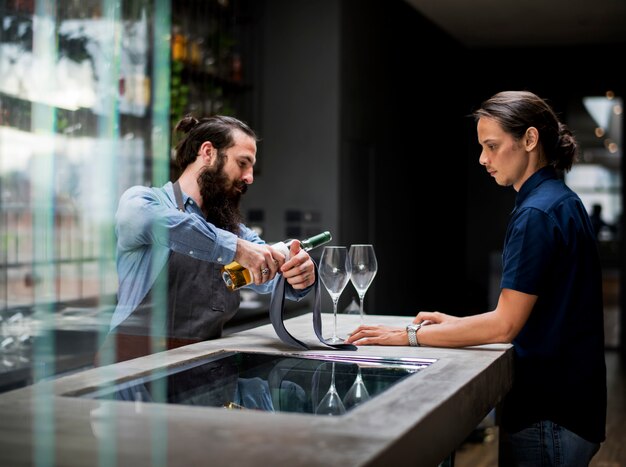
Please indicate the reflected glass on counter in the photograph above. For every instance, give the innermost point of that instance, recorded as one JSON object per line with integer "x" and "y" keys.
{"x": 266, "y": 382}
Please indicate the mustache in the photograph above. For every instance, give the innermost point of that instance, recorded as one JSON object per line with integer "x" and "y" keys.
{"x": 241, "y": 186}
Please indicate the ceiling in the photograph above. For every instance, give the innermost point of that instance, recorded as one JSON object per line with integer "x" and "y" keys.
{"x": 543, "y": 23}
{"x": 516, "y": 23}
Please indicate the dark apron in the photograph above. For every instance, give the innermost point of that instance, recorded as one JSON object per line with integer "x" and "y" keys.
{"x": 197, "y": 305}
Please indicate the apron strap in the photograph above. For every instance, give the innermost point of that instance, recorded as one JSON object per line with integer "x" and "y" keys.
{"x": 178, "y": 194}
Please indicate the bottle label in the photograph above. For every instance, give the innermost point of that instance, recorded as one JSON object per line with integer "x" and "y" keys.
{"x": 235, "y": 275}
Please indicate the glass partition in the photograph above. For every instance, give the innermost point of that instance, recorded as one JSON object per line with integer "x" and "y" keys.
{"x": 84, "y": 114}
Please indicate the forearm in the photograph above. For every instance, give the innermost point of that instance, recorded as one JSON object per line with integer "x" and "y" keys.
{"x": 485, "y": 328}
{"x": 144, "y": 219}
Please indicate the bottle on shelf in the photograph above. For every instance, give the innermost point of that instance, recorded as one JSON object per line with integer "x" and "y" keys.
{"x": 179, "y": 44}
{"x": 236, "y": 276}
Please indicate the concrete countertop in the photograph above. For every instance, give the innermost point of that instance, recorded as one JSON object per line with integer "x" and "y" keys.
{"x": 417, "y": 421}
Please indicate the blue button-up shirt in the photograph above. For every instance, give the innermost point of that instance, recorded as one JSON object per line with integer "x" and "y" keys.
{"x": 149, "y": 225}
{"x": 550, "y": 251}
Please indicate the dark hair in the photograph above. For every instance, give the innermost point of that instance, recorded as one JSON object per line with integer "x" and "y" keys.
{"x": 516, "y": 111}
{"x": 218, "y": 129}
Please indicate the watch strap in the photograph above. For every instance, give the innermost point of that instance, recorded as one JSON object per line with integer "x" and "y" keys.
{"x": 412, "y": 333}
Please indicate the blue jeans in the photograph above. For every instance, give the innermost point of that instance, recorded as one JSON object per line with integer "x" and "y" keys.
{"x": 548, "y": 444}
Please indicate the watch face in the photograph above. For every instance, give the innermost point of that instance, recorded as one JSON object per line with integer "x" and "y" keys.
{"x": 412, "y": 327}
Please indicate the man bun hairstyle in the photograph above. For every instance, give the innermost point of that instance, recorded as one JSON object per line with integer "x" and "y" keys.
{"x": 192, "y": 132}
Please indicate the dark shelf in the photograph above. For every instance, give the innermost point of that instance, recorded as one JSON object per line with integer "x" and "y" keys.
{"x": 201, "y": 76}
{"x": 215, "y": 59}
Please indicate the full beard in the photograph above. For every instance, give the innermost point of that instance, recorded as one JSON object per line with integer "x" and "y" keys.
{"x": 221, "y": 199}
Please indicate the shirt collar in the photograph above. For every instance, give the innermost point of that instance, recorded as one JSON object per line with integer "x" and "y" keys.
{"x": 545, "y": 173}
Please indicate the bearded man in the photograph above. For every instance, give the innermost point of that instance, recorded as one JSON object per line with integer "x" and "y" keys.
{"x": 172, "y": 242}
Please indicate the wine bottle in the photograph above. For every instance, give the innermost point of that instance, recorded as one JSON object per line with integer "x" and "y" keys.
{"x": 236, "y": 276}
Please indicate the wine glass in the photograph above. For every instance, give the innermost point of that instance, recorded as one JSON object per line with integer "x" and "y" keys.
{"x": 364, "y": 268}
{"x": 357, "y": 394}
{"x": 331, "y": 403}
{"x": 334, "y": 270}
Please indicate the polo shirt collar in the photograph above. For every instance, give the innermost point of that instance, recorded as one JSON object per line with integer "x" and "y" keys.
{"x": 545, "y": 173}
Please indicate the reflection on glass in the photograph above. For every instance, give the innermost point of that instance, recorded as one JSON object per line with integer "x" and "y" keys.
{"x": 357, "y": 394}
{"x": 265, "y": 382}
{"x": 331, "y": 403}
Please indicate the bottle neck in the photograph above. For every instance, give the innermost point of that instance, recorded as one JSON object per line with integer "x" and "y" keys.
{"x": 315, "y": 241}
{"x": 309, "y": 243}
{"x": 306, "y": 245}
{"x": 303, "y": 244}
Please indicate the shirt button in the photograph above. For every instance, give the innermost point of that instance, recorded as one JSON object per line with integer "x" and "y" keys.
{"x": 190, "y": 201}
{"x": 191, "y": 252}
{"x": 219, "y": 260}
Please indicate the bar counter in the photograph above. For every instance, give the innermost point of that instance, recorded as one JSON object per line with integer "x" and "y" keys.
{"x": 416, "y": 422}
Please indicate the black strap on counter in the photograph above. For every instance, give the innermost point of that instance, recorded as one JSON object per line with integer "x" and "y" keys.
{"x": 178, "y": 194}
{"x": 277, "y": 310}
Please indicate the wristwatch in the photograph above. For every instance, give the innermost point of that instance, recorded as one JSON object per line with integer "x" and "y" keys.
{"x": 411, "y": 330}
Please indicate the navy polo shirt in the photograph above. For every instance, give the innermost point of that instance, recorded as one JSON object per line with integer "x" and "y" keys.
{"x": 550, "y": 250}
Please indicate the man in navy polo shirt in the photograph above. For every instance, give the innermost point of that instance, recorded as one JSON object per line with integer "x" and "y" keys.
{"x": 550, "y": 306}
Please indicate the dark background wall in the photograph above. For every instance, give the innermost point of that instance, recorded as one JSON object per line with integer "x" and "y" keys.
{"x": 404, "y": 154}
{"x": 410, "y": 154}
{"x": 387, "y": 97}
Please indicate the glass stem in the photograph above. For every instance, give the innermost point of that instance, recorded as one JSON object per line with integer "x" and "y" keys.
{"x": 335, "y": 320}
{"x": 361, "y": 301}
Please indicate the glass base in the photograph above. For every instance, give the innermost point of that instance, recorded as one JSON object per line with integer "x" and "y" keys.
{"x": 335, "y": 340}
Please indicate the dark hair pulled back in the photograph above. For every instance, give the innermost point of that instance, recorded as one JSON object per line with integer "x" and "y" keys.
{"x": 218, "y": 129}
{"x": 516, "y": 111}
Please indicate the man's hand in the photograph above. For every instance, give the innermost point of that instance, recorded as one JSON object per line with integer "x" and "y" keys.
{"x": 261, "y": 260}
{"x": 299, "y": 270}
